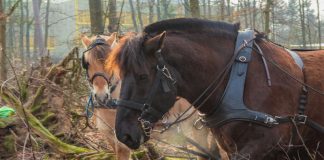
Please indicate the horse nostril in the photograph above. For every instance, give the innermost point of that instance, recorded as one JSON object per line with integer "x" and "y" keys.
{"x": 126, "y": 138}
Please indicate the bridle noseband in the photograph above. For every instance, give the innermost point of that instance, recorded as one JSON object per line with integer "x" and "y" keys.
{"x": 163, "y": 77}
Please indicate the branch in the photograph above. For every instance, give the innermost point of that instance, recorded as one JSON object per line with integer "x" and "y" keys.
{"x": 12, "y": 9}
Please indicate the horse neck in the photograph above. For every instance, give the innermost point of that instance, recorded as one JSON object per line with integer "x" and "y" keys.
{"x": 198, "y": 67}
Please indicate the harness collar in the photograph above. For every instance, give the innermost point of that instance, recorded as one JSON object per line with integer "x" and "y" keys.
{"x": 232, "y": 107}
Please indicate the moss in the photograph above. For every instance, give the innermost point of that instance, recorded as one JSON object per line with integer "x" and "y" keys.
{"x": 138, "y": 154}
{"x": 9, "y": 144}
{"x": 48, "y": 118}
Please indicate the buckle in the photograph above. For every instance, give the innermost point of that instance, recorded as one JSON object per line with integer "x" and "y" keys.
{"x": 199, "y": 124}
{"x": 300, "y": 119}
{"x": 270, "y": 120}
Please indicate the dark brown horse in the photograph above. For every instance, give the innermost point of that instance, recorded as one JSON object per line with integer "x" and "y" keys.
{"x": 98, "y": 48}
{"x": 192, "y": 53}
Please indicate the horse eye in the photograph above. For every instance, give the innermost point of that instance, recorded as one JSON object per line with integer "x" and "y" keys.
{"x": 84, "y": 63}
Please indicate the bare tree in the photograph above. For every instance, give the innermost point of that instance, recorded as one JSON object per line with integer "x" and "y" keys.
{"x": 194, "y": 8}
{"x": 112, "y": 15}
{"x": 3, "y": 68}
{"x": 186, "y": 6}
{"x": 229, "y": 12}
{"x": 302, "y": 20}
{"x": 158, "y": 11}
{"x": 3, "y": 56}
{"x": 209, "y": 9}
{"x": 222, "y": 10}
{"x": 165, "y": 5}
{"x": 21, "y": 32}
{"x": 46, "y": 22}
{"x": 254, "y": 13}
{"x": 96, "y": 17}
{"x": 139, "y": 14}
{"x": 204, "y": 8}
{"x": 38, "y": 36}
{"x": 28, "y": 26}
{"x": 133, "y": 15}
{"x": 10, "y": 33}
{"x": 151, "y": 11}
{"x": 319, "y": 26}
{"x": 267, "y": 16}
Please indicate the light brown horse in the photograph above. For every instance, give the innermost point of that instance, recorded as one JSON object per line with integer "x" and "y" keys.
{"x": 182, "y": 57}
{"x": 105, "y": 118}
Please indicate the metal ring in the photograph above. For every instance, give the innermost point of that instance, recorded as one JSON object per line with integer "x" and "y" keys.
{"x": 242, "y": 58}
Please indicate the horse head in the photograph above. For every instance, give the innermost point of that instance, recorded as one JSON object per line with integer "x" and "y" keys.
{"x": 97, "y": 50}
{"x": 144, "y": 75}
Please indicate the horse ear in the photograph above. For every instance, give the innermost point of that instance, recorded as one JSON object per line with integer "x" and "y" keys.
{"x": 85, "y": 40}
{"x": 155, "y": 43}
{"x": 112, "y": 40}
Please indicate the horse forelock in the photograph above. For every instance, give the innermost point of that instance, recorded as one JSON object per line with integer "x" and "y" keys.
{"x": 98, "y": 53}
{"x": 127, "y": 56}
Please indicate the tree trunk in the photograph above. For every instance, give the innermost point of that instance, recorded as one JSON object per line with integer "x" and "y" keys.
{"x": 3, "y": 67}
{"x": 250, "y": 12}
{"x": 229, "y": 12}
{"x": 243, "y": 7}
{"x": 27, "y": 38}
{"x": 165, "y": 5}
{"x": 319, "y": 26}
{"x": 273, "y": 37}
{"x": 11, "y": 34}
{"x": 96, "y": 17}
{"x": 21, "y": 33}
{"x": 39, "y": 41}
{"x": 209, "y": 10}
{"x": 222, "y": 10}
{"x": 139, "y": 14}
{"x": 194, "y": 8}
{"x": 133, "y": 15}
{"x": 112, "y": 15}
{"x": 254, "y": 14}
{"x": 204, "y": 9}
{"x": 151, "y": 11}
{"x": 186, "y": 6}
{"x": 302, "y": 21}
{"x": 46, "y": 23}
{"x": 267, "y": 17}
{"x": 158, "y": 11}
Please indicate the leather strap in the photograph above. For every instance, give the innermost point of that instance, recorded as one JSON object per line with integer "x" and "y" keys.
{"x": 232, "y": 107}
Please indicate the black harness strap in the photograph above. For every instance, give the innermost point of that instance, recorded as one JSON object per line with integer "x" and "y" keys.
{"x": 232, "y": 107}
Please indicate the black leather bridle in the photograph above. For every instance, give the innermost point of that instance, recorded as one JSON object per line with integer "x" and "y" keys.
{"x": 164, "y": 78}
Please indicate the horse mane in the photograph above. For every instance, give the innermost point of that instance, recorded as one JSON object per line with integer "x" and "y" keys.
{"x": 191, "y": 25}
{"x": 128, "y": 55}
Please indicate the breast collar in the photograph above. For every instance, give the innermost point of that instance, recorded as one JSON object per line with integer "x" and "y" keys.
{"x": 232, "y": 107}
